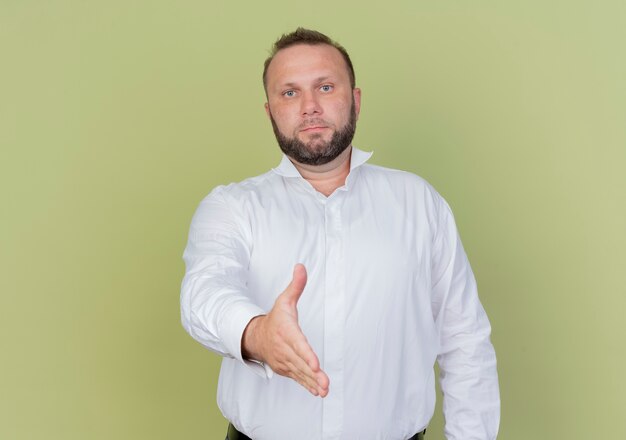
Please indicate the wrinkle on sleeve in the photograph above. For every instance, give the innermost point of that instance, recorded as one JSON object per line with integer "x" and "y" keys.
{"x": 215, "y": 305}
{"x": 466, "y": 357}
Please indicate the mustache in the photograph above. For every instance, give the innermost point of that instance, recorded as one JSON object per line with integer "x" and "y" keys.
{"x": 314, "y": 122}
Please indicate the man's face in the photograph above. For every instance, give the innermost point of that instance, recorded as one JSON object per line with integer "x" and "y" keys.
{"x": 311, "y": 103}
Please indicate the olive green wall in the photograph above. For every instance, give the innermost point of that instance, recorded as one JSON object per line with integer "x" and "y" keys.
{"x": 117, "y": 117}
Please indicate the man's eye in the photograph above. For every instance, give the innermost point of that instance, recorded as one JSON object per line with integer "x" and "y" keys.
{"x": 289, "y": 93}
{"x": 326, "y": 88}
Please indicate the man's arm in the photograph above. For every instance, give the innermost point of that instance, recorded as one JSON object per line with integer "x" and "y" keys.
{"x": 216, "y": 309}
{"x": 467, "y": 360}
{"x": 215, "y": 306}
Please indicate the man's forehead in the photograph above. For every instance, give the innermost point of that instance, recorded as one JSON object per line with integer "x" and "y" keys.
{"x": 317, "y": 60}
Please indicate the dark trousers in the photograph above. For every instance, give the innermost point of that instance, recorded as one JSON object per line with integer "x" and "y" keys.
{"x": 233, "y": 434}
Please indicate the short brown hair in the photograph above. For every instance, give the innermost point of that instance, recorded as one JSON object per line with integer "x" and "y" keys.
{"x": 312, "y": 38}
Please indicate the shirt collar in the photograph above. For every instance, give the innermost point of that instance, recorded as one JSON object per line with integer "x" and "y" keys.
{"x": 286, "y": 168}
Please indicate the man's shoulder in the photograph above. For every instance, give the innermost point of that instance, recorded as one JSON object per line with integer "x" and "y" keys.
{"x": 243, "y": 188}
{"x": 407, "y": 190}
{"x": 397, "y": 178}
{"x": 404, "y": 188}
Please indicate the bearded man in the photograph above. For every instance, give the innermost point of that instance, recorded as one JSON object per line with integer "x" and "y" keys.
{"x": 331, "y": 286}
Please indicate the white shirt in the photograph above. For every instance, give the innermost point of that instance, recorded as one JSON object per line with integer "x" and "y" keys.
{"x": 389, "y": 291}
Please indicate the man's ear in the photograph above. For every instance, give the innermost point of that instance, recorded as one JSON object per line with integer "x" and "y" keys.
{"x": 356, "y": 93}
{"x": 267, "y": 110}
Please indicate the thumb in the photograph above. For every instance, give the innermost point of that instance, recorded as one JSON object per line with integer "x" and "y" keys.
{"x": 294, "y": 290}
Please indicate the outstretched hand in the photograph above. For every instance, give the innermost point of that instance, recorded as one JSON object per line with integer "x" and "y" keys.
{"x": 277, "y": 340}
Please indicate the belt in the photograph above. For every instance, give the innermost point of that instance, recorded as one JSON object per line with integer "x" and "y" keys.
{"x": 233, "y": 434}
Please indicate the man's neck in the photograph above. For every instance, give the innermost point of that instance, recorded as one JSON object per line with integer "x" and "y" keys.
{"x": 328, "y": 177}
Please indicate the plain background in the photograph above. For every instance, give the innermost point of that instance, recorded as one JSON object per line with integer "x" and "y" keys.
{"x": 117, "y": 117}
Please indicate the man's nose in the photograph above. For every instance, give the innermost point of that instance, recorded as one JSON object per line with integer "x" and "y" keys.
{"x": 310, "y": 105}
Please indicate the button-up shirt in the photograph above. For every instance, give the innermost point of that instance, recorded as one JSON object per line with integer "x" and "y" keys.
{"x": 389, "y": 292}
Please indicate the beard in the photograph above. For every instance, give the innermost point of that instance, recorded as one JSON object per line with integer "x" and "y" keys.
{"x": 317, "y": 151}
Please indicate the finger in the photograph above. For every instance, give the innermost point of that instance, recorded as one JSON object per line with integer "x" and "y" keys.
{"x": 305, "y": 352}
{"x": 304, "y": 370}
{"x": 300, "y": 376}
{"x": 295, "y": 288}
{"x": 323, "y": 382}
{"x": 301, "y": 365}
{"x": 304, "y": 363}
{"x": 290, "y": 363}
{"x": 302, "y": 348}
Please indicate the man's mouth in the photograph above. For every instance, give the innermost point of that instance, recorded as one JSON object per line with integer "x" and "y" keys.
{"x": 314, "y": 128}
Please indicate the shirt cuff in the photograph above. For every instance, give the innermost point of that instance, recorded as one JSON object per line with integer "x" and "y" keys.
{"x": 260, "y": 369}
{"x": 236, "y": 320}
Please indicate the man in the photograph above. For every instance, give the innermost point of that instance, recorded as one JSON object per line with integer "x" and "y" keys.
{"x": 346, "y": 279}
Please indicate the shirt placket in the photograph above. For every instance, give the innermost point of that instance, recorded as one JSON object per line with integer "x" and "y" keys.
{"x": 334, "y": 313}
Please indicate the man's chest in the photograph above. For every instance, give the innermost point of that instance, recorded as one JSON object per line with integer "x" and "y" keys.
{"x": 343, "y": 243}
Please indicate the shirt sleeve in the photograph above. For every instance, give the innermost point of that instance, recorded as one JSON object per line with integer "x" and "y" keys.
{"x": 467, "y": 360}
{"x": 215, "y": 306}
